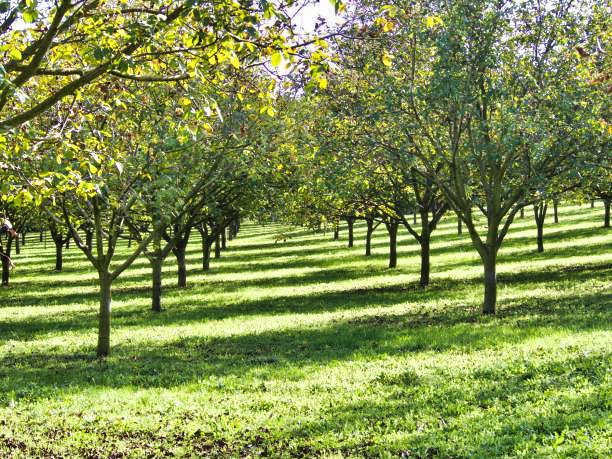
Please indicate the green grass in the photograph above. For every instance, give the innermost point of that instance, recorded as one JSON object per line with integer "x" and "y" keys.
{"x": 307, "y": 348}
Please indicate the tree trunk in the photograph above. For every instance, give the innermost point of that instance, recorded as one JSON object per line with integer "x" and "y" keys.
{"x": 490, "y": 281}
{"x": 556, "y": 210}
{"x": 129, "y": 241}
{"x": 522, "y": 212}
{"x": 392, "y": 229}
{"x": 59, "y": 256}
{"x": 156, "y": 279}
{"x": 17, "y": 245}
{"x": 414, "y": 219}
{"x": 6, "y": 262}
{"x": 89, "y": 238}
{"x": 230, "y": 232}
{"x": 104, "y": 319}
{"x": 40, "y": 236}
{"x": 351, "y": 239}
{"x": 336, "y": 233}
{"x": 592, "y": 203}
{"x": 182, "y": 267}
{"x": 540, "y": 237}
{"x": 205, "y": 254}
{"x": 607, "y": 213}
{"x": 67, "y": 243}
{"x": 539, "y": 211}
{"x": 218, "y": 246}
{"x": 425, "y": 243}
{"x": 459, "y": 227}
{"x": 223, "y": 240}
{"x": 369, "y": 231}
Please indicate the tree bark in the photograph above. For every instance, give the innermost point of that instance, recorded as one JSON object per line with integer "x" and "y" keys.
{"x": 459, "y": 227}
{"x": 522, "y": 212}
{"x": 336, "y": 233}
{"x": 592, "y": 203}
{"x": 392, "y": 230}
{"x": 59, "y": 255}
{"x": 67, "y": 242}
{"x": 89, "y": 239}
{"x": 351, "y": 240}
{"x": 205, "y": 254}
{"x": 414, "y": 219}
{"x": 425, "y": 246}
{"x": 218, "y": 246}
{"x": 556, "y": 210}
{"x": 539, "y": 211}
{"x": 104, "y": 322}
{"x": 17, "y": 245}
{"x": 607, "y": 213}
{"x": 369, "y": 231}
{"x": 182, "y": 267}
{"x": 40, "y": 236}
{"x": 490, "y": 281}
{"x": 230, "y": 232}
{"x": 223, "y": 240}
{"x": 156, "y": 281}
{"x": 6, "y": 262}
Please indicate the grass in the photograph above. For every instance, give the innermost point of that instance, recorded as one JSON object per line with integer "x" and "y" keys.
{"x": 307, "y": 348}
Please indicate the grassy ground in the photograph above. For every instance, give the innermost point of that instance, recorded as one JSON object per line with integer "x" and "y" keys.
{"x": 307, "y": 348}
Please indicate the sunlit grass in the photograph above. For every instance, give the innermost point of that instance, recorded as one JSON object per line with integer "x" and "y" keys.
{"x": 308, "y": 348}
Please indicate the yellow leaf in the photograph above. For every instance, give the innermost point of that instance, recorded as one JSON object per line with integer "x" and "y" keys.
{"x": 270, "y": 111}
{"x": 235, "y": 61}
{"x": 387, "y": 58}
{"x": 276, "y": 59}
{"x": 323, "y": 83}
{"x": 15, "y": 54}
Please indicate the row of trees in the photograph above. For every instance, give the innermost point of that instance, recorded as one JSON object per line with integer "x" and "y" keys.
{"x": 146, "y": 121}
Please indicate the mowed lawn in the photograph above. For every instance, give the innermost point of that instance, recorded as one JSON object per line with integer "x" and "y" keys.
{"x": 307, "y": 348}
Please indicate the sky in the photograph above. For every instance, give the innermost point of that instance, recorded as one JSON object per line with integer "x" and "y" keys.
{"x": 306, "y": 18}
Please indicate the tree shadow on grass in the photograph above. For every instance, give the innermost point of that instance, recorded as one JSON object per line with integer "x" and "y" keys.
{"x": 326, "y": 301}
{"x": 278, "y": 353}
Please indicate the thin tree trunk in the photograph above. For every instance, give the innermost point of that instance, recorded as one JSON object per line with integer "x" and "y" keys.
{"x": 156, "y": 281}
{"x": 230, "y": 232}
{"x": 336, "y": 233}
{"x": 392, "y": 229}
{"x": 67, "y": 243}
{"x": 23, "y": 238}
{"x": 522, "y": 212}
{"x": 218, "y": 246}
{"x": 182, "y": 267}
{"x": 369, "y": 231}
{"x": 425, "y": 246}
{"x": 556, "y": 210}
{"x": 351, "y": 239}
{"x": 592, "y": 203}
{"x": 104, "y": 322}
{"x": 205, "y": 254}
{"x": 129, "y": 241}
{"x": 17, "y": 245}
{"x": 59, "y": 255}
{"x": 539, "y": 211}
{"x": 40, "y": 236}
{"x": 414, "y": 218}
{"x": 607, "y": 213}
{"x": 459, "y": 227}
{"x": 223, "y": 240}
{"x": 89, "y": 238}
{"x": 490, "y": 281}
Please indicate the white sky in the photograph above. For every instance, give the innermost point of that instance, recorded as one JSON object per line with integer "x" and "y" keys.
{"x": 306, "y": 19}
